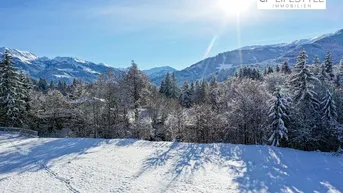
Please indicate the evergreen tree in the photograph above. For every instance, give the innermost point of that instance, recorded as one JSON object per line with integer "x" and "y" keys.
{"x": 328, "y": 65}
{"x": 163, "y": 87}
{"x": 52, "y": 85}
{"x": 168, "y": 86}
{"x": 316, "y": 66}
{"x": 306, "y": 123}
{"x": 323, "y": 76}
{"x": 12, "y": 104}
{"x": 213, "y": 83}
{"x": 339, "y": 76}
{"x": 285, "y": 68}
{"x": 74, "y": 82}
{"x": 265, "y": 72}
{"x": 174, "y": 90}
{"x": 329, "y": 108}
{"x": 192, "y": 91}
{"x": 60, "y": 87}
{"x": 214, "y": 93}
{"x": 270, "y": 70}
{"x": 302, "y": 81}
{"x": 186, "y": 97}
{"x": 277, "y": 69}
{"x": 332, "y": 130}
{"x": 201, "y": 92}
{"x": 197, "y": 92}
{"x": 252, "y": 73}
{"x": 340, "y": 67}
{"x": 278, "y": 114}
{"x": 26, "y": 90}
{"x": 43, "y": 85}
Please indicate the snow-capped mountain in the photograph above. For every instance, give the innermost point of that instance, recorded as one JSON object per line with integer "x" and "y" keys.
{"x": 67, "y": 68}
{"x": 225, "y": 64}
{"x": 221, "y": 65}
{"x": 59, "y": 68}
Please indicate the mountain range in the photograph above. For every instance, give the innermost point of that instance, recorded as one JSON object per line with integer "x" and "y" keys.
{"x": 225, "y": 64}
{"x": 222, "y": 65}
{"x": 67, "y": 68}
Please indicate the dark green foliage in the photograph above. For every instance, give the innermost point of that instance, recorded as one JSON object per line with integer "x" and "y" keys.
{"x": 285, "y": 68}
{"x": 14, "y": 91}
{"x": 249, "y": 72}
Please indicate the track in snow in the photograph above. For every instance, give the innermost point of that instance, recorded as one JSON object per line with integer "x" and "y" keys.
{"x": 127, "y": 165}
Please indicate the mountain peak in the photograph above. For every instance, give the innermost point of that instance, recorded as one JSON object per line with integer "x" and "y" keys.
{"x": 70, "y": 59}
{"x": 24, "y": 56}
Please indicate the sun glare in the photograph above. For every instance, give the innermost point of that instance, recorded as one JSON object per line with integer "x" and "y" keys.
{"x": 233, "y": 7}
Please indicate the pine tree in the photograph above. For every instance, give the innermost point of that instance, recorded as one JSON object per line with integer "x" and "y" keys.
{"x": 340, "y": 68}
{"x": 168, "y": 85}
{"x": 277, "y": 69}
{"x": 192, "y": 92}
{"x": 328, "y": 65}
{"x": 252, "y": 73}
{"x": 301, "y": 61}
{"x": 60, "y": 87}
{"x": 186, "y": 97}
{"x": 329, "y": 108}
{"x": 197, "y": 92}
{"x": 270, "y": 70}
{"x": 52, "y": 85}
{"x": 214, "y": 93}
{"x": 163, "y": 87}
{"x": 278, "y": 114}
{"x": 174, "y": 90}
{"x": 323, "y": 76}
{"x": 43, "y": 85}
{"x": 285, "y": 68}
{"x": 302, "y": 82}
{"x": 265, "y": 72}
{"x": 316, "y": 66}
{"x": 26, "y": 89}
{"x": 213, "y": 83}
{"x": 201, "y": 92}
{"x": 339, "y": 76}
{"x": 204, "y": 89}
{"x": 306, "y": 122}
{"x": 11, "y": 94}
{"x": 331, "y": 134}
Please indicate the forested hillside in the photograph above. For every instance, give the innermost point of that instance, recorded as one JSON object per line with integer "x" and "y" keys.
{"x": 299, "y": 108}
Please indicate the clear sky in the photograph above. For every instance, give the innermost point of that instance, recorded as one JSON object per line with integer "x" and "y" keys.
{"x": 154, "y": 33}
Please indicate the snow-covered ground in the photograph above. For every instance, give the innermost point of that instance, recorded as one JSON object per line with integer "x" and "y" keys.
{"x": 127, "y": 165}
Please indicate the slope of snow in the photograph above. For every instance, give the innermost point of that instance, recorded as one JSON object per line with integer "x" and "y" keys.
{"x": 24, "y": 56}
{"x": 127, "y": 165}
{"x": 224, "y": 66}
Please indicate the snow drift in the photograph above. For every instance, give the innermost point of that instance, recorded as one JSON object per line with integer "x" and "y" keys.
{"x": 127, "y": 165}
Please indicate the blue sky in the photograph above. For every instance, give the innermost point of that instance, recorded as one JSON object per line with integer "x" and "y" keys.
{"x": 155, "y": 33}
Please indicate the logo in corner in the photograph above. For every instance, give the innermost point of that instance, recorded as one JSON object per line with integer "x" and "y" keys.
{"x": 291, "y": 4}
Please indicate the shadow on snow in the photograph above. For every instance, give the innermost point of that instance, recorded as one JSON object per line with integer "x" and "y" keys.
{"x": 253, "y": 168}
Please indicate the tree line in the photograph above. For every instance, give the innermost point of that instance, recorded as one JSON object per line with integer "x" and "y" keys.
{"x": 299, "y": 108}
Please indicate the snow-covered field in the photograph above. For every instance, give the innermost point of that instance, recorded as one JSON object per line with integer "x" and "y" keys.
{"x": 127, "y": 165}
